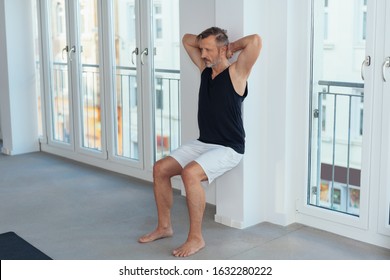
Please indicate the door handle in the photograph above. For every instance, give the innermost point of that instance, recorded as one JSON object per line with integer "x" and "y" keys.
{"x": 366, "y": 62}
{"x": 69, "y": 51}
{"x": 144, "y": 52}
{"x": 64, "y": 49}
{"x": 132, "y": 55}
{"x": 386, "y": 64}
{"x": 72, "y": 50}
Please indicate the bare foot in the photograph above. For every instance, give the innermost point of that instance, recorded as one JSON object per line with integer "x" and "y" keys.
{"x": 155, "y": 235}
{"x": 189, "y": 248}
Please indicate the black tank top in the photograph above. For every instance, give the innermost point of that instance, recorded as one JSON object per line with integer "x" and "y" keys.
{"x": 219, "y": 111}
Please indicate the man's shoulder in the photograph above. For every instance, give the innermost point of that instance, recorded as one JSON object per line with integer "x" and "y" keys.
{"x": 239, "y": 81}
{"x": 234, "y": 73}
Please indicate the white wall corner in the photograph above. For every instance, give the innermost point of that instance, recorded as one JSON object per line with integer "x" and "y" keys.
{"x": 18, "y": 92}
{"x": 4, "y": 85}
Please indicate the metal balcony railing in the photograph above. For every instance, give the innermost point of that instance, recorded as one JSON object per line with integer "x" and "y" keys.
{"x": 166, "y": 108}
{"x": 336, "y": 144}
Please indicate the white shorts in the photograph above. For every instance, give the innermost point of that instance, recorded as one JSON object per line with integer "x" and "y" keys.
{"x": 214, "y": 159}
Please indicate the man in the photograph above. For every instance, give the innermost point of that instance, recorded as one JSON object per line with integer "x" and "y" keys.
{"x": 221, "y": 143}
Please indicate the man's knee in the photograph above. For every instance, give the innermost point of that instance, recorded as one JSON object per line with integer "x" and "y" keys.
{"x": 159, "y": 169}
{"x": 193, "y": 173}
{"x": 165, "y": 168}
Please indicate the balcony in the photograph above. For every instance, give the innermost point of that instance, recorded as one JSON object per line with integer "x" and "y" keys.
{"x": 336, "y": 143}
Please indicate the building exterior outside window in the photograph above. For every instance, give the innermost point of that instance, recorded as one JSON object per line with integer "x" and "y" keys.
{"x": 339, "y": 34}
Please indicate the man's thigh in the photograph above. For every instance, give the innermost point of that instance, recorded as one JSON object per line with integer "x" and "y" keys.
{"x": 188, "y": 152}
{"x": 215, "y": 160}
{"x": 218, "y": 161}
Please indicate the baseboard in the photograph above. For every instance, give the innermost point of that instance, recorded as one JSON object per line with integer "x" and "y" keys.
{"x": 229, "y": 222}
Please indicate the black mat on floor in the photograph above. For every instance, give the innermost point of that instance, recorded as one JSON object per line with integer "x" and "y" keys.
{"x": 13, "y": 247}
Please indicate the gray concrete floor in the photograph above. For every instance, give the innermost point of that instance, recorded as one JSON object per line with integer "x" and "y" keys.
{"x": 72, "y": 211}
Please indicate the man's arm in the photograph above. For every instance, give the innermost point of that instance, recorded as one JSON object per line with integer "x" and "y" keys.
{"x": 191, "y": 45}
{"x": 250, "y": 47}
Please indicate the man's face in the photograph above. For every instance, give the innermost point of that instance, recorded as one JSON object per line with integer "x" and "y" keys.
{"x": 210, "y": 52}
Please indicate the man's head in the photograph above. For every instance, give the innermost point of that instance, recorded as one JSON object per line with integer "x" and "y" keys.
{"x": 213, "y": 43}
{"x": 219, "y": 34}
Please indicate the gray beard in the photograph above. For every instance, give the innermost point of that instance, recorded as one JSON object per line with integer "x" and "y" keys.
{"x": 211, "y": 65}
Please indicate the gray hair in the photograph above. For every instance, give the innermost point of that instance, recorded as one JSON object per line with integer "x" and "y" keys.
{"x": 220, "y": 35}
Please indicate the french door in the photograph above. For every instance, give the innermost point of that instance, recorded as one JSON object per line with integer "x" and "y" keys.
{"x": 349, "y": 123}
{"x": 146, "y": 59}
{"x": 112, "y": 80}
{"x": 131, "y": 78}
{"x": 384, "y": 192}
{"x": 76, "y": 100}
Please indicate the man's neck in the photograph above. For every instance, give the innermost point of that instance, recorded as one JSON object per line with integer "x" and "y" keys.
{"x": 219, "y": 68}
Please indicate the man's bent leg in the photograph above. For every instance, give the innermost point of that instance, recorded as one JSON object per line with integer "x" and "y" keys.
{"x": 163, "y": 170}
{"x": 192, "y": 176}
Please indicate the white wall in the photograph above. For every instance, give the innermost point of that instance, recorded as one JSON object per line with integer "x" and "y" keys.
{"x": 297, "y": 105}
{"x": 4, "y": 98}
{"x": 17, "y": 82}
{"x": 240, "y": 198}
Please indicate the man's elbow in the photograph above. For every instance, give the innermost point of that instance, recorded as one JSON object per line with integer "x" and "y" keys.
{"x": 188, "y": 38}
{"x": 185, "y": 37}
{"x": 257, "y": 41}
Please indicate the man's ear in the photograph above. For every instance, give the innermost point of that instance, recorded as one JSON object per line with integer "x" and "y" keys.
{"x": 224, "y": 50}
{"x": 228, "y": 52}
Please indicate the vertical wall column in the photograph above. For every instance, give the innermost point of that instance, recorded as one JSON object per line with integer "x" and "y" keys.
{"x": 240, "y": 197}
{"x": 263, "y": 187}
{"x": 4, "y": 98}
{"x": 17, "y": 80}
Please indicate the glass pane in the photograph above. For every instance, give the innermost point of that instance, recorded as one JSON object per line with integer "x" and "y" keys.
{"x": 90, "y": 80}
{"x": 166, "y": 41}
{"x": 126, "y": 95}
{"x": 59, "y": 98}
{"x": 37, "y": 66}
{"x": 337, "y": 97}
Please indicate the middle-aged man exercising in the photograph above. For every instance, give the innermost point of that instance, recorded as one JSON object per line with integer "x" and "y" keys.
{"x": 221, "y": 143}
